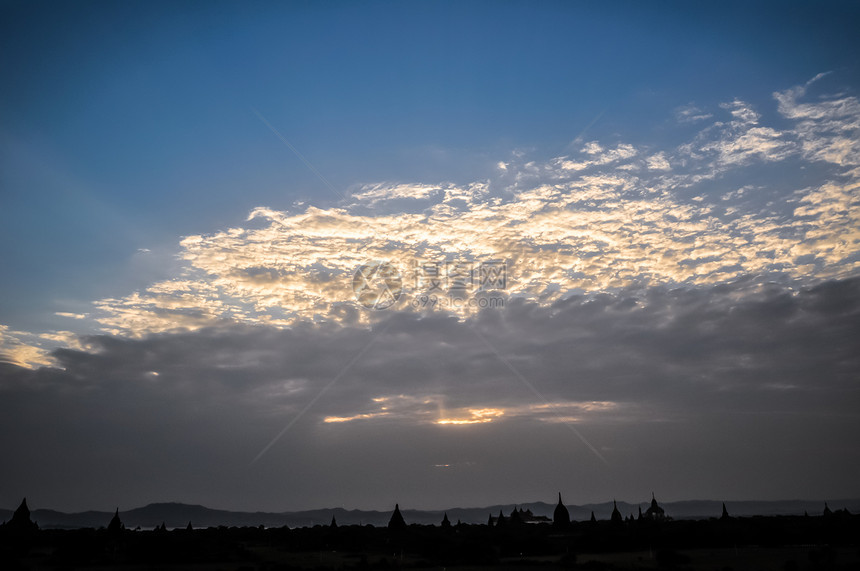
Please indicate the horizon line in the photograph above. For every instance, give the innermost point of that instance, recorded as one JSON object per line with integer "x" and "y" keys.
{"x": 440, "y": 510}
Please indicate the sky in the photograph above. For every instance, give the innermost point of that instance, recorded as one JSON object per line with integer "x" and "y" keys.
{"x": 292, "y": 255}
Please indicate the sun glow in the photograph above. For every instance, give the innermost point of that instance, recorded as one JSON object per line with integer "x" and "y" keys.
{"x": 478, "y": 416}
{"x": 330, "y": 419}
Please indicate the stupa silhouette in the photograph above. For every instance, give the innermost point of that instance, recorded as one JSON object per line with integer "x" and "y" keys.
{"x": 616, "y": 518}
{"x": 396, "y": 522}
{"x": 21, "y": 519}
{"x": 560, "y": 516}
{"x": 115, "y": 525}
{"x": 654, "y": 511}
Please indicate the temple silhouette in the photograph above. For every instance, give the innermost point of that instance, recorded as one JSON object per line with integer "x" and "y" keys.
{"x": 21, "y": 522}
{"x": 21, "y": 519}
{"x": 655, "y": 512}
{"x": 115, "y": 526}
{"x": 396, "y": 522}
{"x": 560, "y": 517}
{"x": 650, "y": 540}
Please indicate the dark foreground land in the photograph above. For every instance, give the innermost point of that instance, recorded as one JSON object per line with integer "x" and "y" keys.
{"x": 756, "y": 543}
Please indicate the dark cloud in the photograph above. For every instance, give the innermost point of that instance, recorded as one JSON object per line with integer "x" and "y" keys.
{"x": 746, "y": 389}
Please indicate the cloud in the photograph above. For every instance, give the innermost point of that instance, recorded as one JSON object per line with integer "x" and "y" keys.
{"x": 828, "y": 129}
{"x": 712, "y": 341}
{"x": 691, "y": 114}
{"x": 598, "y": 156}
{"x": 739, "y": 141}
{"x": 373, "y": 193}
{"x": 589, "y": 233}
{"x": 21, "y": 349}
{"x": 683, "y": 298}
{"x": 611, "y": 216}
{"x": 659, "y": 162}
{"x": 634, "y": 371}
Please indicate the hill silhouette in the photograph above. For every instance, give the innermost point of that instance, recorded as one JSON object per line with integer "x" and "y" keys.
{"x": 521, "y": 537}
{"x": 177, "y": 515}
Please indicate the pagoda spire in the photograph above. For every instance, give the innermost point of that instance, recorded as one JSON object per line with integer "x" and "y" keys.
{"x": 396, "y": 521}
{"x": 22, "y": 514}
{"x": 115, "y": 525}
{"x": 616, "y": 517}
{"x": 21, "y": 519}
{"x": 560, "y": 516}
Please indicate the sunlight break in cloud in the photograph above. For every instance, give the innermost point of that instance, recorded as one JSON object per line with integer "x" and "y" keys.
{"x": 476, "y": 416}
{"x": 431, "y": 409}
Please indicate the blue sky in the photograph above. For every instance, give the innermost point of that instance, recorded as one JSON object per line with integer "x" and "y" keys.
{"x": 128, "y": 125}
{"x": 618, "y": 149}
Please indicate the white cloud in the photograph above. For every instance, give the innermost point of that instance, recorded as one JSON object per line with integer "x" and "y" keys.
{"x": 658, "y": 162}
{"x": 598, "y": 156}
{"x": 691, "y": 114}
{"x": 828, "y": 129}
{"x": 742, "y": 112}
{"x": 373, "y": 193}
{"x": 613, "y": 218}
{"x": 740, "y": 141}
{"x": 560, "y": 230}
{"x": 22, "y": 349}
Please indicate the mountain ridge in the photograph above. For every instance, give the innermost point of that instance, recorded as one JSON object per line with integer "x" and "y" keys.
{"x": 178, "y": 514}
